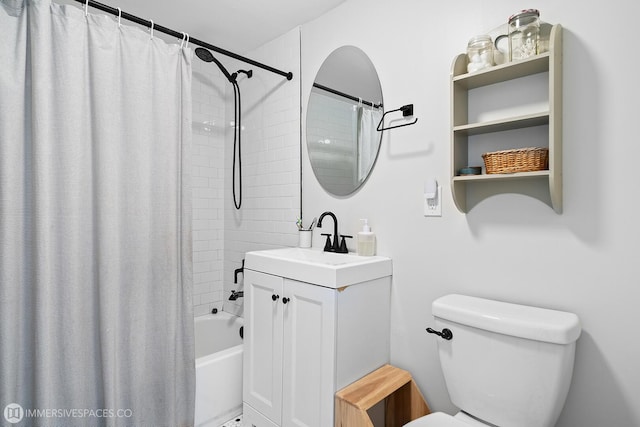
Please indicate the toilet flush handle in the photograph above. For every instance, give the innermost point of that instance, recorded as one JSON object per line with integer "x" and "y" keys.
{"x": 445, "y": 334}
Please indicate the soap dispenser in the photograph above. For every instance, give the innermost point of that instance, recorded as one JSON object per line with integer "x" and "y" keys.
{"x": 366, "y": 240}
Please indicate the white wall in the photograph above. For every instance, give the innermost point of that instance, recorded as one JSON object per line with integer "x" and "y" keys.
{"x": 270, "y": 168}
{"x": 270, "y": 159}
{"x": 208, "y": 92}
{"x": 509, "y": 247}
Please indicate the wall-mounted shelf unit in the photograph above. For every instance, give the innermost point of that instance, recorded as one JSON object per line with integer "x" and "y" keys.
{"x": 461, "y": 131}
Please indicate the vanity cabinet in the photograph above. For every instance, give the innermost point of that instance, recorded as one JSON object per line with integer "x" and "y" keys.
{"x": 303, "y": 342}
{"x": 468, "y": 190}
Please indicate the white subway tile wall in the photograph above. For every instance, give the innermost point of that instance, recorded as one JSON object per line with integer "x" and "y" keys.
{"x": 270, "y": 168}
{"x": 332, "y": 132}
{"x": 208, "y": 93}
{"x": 270, "y": 161}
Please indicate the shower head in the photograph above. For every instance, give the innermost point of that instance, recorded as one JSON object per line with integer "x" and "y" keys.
{"x": 204, "y": 54}
{"x": 207, "y": 56}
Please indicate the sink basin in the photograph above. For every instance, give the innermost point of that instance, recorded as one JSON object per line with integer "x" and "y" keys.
{"x": 318, "y": 267}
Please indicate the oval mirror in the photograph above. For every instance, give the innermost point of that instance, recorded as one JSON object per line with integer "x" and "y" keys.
{"x": 345, "y": 107}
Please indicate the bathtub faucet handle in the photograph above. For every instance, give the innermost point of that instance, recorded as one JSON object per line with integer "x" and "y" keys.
{"x": 238, "y": 271}
{"x": 235, "y": 295}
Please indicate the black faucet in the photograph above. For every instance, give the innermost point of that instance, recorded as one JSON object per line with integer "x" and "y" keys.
{"x": 336, "y": 246}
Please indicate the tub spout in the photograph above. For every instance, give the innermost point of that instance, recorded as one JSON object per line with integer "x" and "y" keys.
{"x": 235, "y": 295}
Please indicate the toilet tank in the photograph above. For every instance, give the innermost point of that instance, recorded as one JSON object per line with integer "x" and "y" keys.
{"x": 507, "y": 364}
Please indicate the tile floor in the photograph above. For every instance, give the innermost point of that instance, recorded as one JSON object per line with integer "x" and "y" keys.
{"x": 234, "y": 422}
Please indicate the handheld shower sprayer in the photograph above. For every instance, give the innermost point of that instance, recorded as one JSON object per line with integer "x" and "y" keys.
{"x": 207, "y": 56}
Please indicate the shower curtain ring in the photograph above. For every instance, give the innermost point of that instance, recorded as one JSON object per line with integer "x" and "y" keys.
{"x": 86, "y": 8}
{"x": 119, "y": 17}
{"x": 151, "y": 29}
{"x": 185, "y": 38}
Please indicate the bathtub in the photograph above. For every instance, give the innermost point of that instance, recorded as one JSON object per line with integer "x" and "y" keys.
{"x": 218, "y": 368}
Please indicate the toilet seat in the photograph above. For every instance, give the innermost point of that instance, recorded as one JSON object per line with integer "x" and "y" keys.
{"x": 437, "y": 419}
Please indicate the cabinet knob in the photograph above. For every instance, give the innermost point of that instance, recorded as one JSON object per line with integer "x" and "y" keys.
{"x": 285, "y": 300}
{"x": 275, "y": 297}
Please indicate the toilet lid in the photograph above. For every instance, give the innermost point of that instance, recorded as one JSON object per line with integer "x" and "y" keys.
{"x": 437, "y": 419}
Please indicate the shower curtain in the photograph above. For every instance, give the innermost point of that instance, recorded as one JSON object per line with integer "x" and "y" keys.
{"x": 368, "y": 139}
{"x": 96, "y": 325}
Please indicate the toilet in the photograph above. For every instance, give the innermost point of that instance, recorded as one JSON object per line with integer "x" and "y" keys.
{"x": 504, "y": 364}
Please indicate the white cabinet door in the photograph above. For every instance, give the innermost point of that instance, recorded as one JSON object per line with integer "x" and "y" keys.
{"x": 262, "y": 376}
{"x": 309, "y": 355}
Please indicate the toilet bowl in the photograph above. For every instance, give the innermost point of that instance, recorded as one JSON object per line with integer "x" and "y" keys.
{"x": 497, "y": 358}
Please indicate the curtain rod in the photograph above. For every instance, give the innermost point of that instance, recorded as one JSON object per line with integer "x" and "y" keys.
{"x": 169, "y": 31}
{"x": 346, "y": 95}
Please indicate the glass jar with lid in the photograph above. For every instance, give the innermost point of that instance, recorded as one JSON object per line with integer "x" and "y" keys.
{"x": 480, "y": 53}
{"x": 524, "y": 34}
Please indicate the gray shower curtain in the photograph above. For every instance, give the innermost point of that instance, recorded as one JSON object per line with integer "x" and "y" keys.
{"x": 96, "y": 327}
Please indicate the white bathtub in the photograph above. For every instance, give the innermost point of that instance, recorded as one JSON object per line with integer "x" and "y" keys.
{"x": 218, "y": 368}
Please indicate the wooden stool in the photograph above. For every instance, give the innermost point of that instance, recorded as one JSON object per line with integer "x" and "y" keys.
{"x": 405, "y": 401}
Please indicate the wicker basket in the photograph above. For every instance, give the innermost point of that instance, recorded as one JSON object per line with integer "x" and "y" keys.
{"x": 518, "y": 160}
